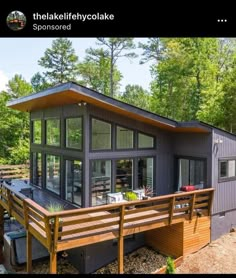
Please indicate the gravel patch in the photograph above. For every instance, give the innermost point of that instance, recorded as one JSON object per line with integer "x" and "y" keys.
{"x": 144, "y": 260}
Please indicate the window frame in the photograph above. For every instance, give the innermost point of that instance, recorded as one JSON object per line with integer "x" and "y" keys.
{"x": 149, "y": 135}
{"x": 46, "y": 132}
{"x": 227, "y": 178}
{"x": 133, "y": 141}
{"x": 65, "y": 133}
{"x": 91, "y": 135}
{"x": 32, "y": 128}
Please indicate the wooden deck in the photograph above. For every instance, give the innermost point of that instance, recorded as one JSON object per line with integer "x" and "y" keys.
{"x": 77, "y": 227}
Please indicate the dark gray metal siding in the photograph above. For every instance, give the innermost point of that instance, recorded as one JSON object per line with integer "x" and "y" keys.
{"x": 225, "y": 192}
{"x": 195, "y": 145}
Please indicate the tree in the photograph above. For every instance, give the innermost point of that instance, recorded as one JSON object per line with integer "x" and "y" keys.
{"x": 137, "y": 96}
{"x": 116, "y": 48}
{"x": 61, "y": 62}
{"x": 14, "y": 132}
{"x": 95, "y": 71}
{"x": 153, "y": 50}
{"x": 39, "y": 82}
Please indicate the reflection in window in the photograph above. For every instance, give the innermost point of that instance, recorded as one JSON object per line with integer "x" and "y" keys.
{"x": 191, "y": 172}
{"x": 227, "y": 169}
{"x": 74, "y": 133}
{"x": 37, "y": 169}
{"x": 74, "y": 181}
{"x": 124, "y": 138}
{"x": 101, "y": 135}
{"x": 53, "y": 132}
{"x": 145, "y": 141}
{"x": 124, "y": 175}
{"x": 145, "y": 172}
{"x": 101, "y": 181}
{"x": 53, "y": 173}
{"x": 37, "y": 131}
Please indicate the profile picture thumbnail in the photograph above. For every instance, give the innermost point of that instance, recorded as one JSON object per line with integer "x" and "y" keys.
{"x": 16, "y": 20}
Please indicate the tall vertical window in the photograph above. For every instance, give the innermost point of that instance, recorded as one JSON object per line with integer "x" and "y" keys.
{"x": 37, "y": 169}
{"x": 73, "y": 181}
{"x": 53, "y": 173}
{"x": 53, "y": 132}
{"x": 101, "y": 181}
{"x": 145, "y": 141}
{"x": 37, "y": 131}
{"x": 74, "y": 133}
{"x": 124, "y": 175}
{"x": 145, "y": 172}
{"x": 101, "y": 135}
{"x": 124, "y": 138}
{"x": 191, "y": 172}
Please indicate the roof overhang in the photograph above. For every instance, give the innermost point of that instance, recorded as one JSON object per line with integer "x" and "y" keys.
{"x": 71, "y": 93}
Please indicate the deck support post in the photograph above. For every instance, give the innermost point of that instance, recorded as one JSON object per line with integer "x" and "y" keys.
{"x": 29, "y": 251}
{"x": 121, "y": 242}
{"x": 1, "y": 233}
{"x": 53, "y": 262}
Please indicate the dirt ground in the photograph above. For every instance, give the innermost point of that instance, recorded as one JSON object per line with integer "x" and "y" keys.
{"x": 217, "y": 257}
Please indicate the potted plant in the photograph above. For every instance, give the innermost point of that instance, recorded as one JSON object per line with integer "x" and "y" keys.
{"x": 130, "y": 196}
{"x": 147, "y": 191}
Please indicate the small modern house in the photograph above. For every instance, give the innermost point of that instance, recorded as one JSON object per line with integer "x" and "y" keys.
{"x": 85, "y": 145}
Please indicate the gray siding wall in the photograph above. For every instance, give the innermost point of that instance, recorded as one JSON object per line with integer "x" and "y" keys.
{"x": 195, "y": 145}
{"x": 163, "y": 154}
{"x": 221, "y": 225}
{"x": 225, "y": 192}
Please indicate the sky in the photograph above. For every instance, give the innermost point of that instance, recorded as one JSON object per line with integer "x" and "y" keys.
{"x": 21, "y": 55}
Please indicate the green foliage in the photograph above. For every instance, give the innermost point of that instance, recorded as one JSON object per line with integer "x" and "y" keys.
{"x": 116, "y": 48}
{"x": 14, "y": 131}
{"x": 39, "y": 82}
{"x": 95, "y": 71}
{"x": 137, "y": 96}
{"x": 170, "y": 266}
{"x": 130, "y": 196}
{"x": 54, "y": 207}
{"x": 60, "y": 61}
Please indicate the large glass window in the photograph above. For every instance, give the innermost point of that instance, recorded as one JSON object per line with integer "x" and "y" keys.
{"x": 101, "y": 135}
{"x": 145, "y": 141}
{"x": 227, "y": 169}
{"x": 124, "y": 138}
{"x": 73, "y": 181}
{"x": 53, "y": 132}
{"x": 145, "y": 172}
{"x": 124, "y": 175}
{"x": 37, "y": 169}
{"x": 74, "y": 133}
{"x": 53, "y": 173}
{"x": 191, "y": 172}
{"x": 101, "y": 181}
{"x": 37, "y": 131}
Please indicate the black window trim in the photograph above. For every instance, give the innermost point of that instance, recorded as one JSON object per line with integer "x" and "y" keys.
{"x": 144, "y": 133}
{"x": 91, "y": 134}
{"x": 124, "y": 149}
{"x": 226, "y": 159}
{"x": 82, "y": 139}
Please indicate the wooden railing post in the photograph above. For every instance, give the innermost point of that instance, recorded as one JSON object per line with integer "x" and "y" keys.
{"x": 171, "y": 211}
{"x": 210, "y": 201}
{"x": 9, "y": 199}
{"x": 121, "y": 241}
{"x": 192, "y": 206}
{"x": 1, "y": 233}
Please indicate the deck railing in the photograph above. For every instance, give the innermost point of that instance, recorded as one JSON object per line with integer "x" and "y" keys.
{"x": 73, "y": 228}
{"x": 20, "y": 171}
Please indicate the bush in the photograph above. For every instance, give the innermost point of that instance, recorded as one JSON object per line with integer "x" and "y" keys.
{"x": 170, "y": 266}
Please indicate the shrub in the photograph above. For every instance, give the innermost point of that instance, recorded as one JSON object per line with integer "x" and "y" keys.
{"x": 130, "y": 196}
{"x": 170, "y": 266}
